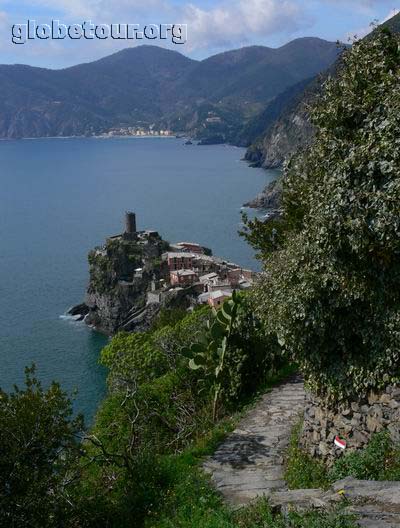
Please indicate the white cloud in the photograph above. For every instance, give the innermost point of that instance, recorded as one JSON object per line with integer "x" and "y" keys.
{"x": 224, "y": 24}
{"x": 391, "y": 14}
{"x": 364, "y": 7}
{"x": 365, "y": 3}
{"x": 363, "y": 32}
{"x": 76, "y": 9}
{"x": 4, "y": 28}
{"x": 240, "y": 20}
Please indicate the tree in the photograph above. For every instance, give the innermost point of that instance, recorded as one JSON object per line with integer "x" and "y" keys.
{"x": 331, "y": 291}
{"x": 39, "y": 444}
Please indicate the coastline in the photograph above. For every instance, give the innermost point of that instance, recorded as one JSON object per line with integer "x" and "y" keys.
{"x": 86, "y": 202}
{"x": 90, "y": 137}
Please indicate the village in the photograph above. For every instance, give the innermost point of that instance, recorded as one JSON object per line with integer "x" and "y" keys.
{"x": 186, "y": 268}
{"x": 189, "y": 268}
{"x": 211, "y": 278}
{"x": 138, "y": 131}
{"x": 137, "y": 273}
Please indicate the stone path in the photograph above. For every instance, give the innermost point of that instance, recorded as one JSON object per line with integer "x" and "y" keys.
{"x": 249, "y": 463}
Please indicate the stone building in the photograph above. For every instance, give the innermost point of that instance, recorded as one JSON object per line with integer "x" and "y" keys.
{"x": 178, "y": 260}
{"x": 183, "y": 277}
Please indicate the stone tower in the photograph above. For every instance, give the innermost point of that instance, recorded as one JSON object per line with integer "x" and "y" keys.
{"x": 130, "y": 226}
{"x": 130, "y": 223}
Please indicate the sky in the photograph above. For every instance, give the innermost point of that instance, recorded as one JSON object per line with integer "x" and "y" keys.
{"x": 213, "y": 26}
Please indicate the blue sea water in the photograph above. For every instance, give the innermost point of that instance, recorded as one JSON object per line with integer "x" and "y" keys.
{"x": 61, "y": 197}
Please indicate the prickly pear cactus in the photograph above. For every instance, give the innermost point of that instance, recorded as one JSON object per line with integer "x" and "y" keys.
{"x": 210, "y": 353}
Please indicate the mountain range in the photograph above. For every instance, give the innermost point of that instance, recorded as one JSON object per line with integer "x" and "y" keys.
{"x": 289, "y": 128}
{"x": 146, "y": 86}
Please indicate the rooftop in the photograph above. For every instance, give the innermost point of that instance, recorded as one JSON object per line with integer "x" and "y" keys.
{"x": 203, "y": 297}
{"x": 184, "y": 273}
{"x": 209, "y": 259}
{"x": 208, "y": 276}
{"x": 194, "y": 244}
{"x": 178, "y": 255}
{"x": 220, "y": 293}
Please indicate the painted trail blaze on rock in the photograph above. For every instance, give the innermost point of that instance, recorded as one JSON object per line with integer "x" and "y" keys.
{"x": 340, "y": 443}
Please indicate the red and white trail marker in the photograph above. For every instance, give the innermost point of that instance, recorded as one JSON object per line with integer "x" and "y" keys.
{"x": 340, "y": 443}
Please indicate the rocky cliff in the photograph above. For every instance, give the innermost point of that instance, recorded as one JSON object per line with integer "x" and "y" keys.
{"x": 284, "y": 136}
{"x": 121, "y": 274}
{"x": 290, "y": 129}
{"x": 269, "y": 197}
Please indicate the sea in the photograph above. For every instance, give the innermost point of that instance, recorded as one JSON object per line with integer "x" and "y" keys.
{"x": 59, "y": 198}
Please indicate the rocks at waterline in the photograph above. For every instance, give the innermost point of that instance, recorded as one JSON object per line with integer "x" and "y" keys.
{"x": 217, "y": 139}
{"x": 79, "y": 312}
{"x": 269, "y": 198}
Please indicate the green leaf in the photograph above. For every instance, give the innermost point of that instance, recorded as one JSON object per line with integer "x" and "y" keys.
{"x": 200, "y": 359}
{"x": 227, "y": 307}
{"x": 213, "y": 346}
{"x": 217, "y": 330}
{"x": 193, "y": 365}
{"x": 198, "y": 348}
{"x": 223, "y": 318}
{"x": 187, "y": 352}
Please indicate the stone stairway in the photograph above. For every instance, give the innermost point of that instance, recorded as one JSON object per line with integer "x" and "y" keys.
{"x": 374, "y": 504}
{"x": 249, "y": 464}
{"x": 250, "y": 461}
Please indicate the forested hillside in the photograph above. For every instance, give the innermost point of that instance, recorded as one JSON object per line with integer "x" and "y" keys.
{"x": 148, "y": 85}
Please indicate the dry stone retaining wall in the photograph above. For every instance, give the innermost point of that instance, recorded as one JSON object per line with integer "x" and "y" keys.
{"x": 354, "y": 423}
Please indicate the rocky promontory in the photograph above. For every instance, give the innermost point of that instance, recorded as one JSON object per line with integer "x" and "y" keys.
{"x": 137, "y": 273}
{"x": 269, "y": 197}
{"x": 120, "y": 274}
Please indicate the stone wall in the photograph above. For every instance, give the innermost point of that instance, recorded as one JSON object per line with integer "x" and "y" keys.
{"x": 354, "y": 423}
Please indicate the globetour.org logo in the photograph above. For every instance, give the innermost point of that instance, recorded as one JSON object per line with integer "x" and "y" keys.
{"x": 23, "y": 33}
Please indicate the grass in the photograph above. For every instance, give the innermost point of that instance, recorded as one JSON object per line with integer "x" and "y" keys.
{"x": 302, "y": 471}
{"x": 191, "y": 502}
{"x": 380, "y": 460}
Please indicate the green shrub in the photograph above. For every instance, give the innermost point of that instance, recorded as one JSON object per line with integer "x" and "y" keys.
{"x": 135, "y": 356}
{"x": 232, "y": 356}
{"x": 157, "y": 409}
{"x": 169, "y": 317}
{"x": 331, "y": 291}
{"x": 380, "y": 460}
{"x": 39, "y": 447}
{"x": 140, "y": 357}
